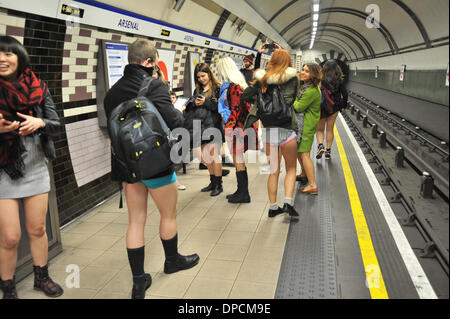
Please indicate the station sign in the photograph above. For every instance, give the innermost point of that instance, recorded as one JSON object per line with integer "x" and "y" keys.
{"x": 402, "y": 72}
{"x": 104, "y": 16}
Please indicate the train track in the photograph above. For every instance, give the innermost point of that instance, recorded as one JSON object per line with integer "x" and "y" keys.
{"x": 391, "y": 129}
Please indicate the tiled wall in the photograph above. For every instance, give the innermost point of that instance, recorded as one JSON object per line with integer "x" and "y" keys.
{"x": 66, "y": 58}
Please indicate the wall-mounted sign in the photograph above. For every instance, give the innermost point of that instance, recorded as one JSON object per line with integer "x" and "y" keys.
{"x": 116, "y": 60}
{"x": 207, "y": 42}
{"x": 402, "y": 72}
{"x": 356, "y": 70}
{"x": 231, "y": 48}
{"x": 72, "y": 11}
{"x": 104, "y": 16}
{"x": 377, "y": 68}
{"x": 165, "y": 33}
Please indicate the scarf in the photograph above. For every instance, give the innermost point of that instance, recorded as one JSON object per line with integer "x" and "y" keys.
{"x": 23, "y": 96}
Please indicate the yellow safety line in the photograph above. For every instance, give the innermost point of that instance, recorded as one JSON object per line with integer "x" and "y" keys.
{"x": 374, "y": 278}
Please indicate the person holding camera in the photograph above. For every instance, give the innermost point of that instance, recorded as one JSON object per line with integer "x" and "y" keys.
{"x": 27, "y": 119}
{"x": 203, "y": 107}
{"x": 143, "y": 59}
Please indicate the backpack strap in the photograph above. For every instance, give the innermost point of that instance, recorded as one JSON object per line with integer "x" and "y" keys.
{"x": 145, "y": 86}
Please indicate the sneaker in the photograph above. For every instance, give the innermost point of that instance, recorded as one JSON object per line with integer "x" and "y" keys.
{"x": 320, "y": 151}
{"x": 328, "y": 153}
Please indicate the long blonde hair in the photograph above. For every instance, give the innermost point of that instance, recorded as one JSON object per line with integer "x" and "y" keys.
{"x": 229, "y": 72}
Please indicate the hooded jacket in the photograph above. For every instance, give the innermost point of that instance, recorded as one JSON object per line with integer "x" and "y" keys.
{"x": 287, "y": 84}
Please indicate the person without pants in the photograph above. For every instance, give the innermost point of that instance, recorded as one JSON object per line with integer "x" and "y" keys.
{"x": 27, "y": 119}
{"x": 236, "y": 110}
{"x": 280, "y": 141}
{"x": 334, "y": 99}
{"x": 205, "y": 109}
{"x": 309, "y": 103}
{"x": 143, "y": 57}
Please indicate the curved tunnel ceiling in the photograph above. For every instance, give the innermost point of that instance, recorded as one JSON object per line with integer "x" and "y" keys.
{"x": 404, "y": 24}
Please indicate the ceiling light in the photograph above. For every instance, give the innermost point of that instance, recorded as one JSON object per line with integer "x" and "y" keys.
{"x": 315, "y": 16}
{"x": 315, "y": 23}
{"x": 315, "y": 29}
{"x": 316, "y": 8}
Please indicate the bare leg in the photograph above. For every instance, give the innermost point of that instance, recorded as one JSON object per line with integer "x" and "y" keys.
{"x": 289, "y": 152}
{"x": 10, "y": 234}
{"x": 136, "y": 196}
{"x": 36, "y": 212}
{"x": 274, "y": 154}
{"x": 166, "y": 200}
{"x": 330, "y": 129}
{"x": 309, "y": 170}
{"x": 320, "y": 130}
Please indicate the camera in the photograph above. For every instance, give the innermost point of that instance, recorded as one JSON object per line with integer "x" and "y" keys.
{"x": 269, "y": 46}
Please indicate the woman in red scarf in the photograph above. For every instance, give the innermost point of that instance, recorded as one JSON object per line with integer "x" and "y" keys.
{"x": 27, "y": 117}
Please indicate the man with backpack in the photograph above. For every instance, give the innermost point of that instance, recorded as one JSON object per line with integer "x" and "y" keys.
{"x": 143, "y": 59}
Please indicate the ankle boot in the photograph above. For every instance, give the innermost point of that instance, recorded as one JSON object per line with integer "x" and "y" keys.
{"x": 140, "y": 285}
{"x": 217, "y": 187}
{"x": 242, "y": 195}
{"x": 9, "y": 288}
{"x": 42, "y": 281}
{"x": 180, "y": 263}
{"x": 210, "y": 186}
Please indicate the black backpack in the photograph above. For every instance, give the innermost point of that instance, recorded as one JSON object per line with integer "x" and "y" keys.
{"x": 139, "y": 138}
{"x": 272, "y": 108}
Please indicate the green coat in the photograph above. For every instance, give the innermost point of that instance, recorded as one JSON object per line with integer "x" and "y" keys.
{"x": 289, "y": 91}
{"x": 310, "y": 104}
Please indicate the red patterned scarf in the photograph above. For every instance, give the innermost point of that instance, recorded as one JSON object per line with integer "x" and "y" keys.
{"x": 23, "y": 96}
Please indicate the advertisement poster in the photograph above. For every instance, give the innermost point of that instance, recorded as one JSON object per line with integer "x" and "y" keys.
{"x": 117, "y": 59}
{"x": 194, "y": 59}
{"x": 402, "y": 72}
{"x": 166, "y": 61}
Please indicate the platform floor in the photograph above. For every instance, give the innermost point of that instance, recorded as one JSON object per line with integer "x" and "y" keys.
{"x": 334, "y": 250}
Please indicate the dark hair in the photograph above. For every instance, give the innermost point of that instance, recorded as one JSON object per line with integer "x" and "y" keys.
{"x": 172, "y": 93}
{"x": 10, "y": 44}
{"x": 332, "y": 74}
{"x": 204, "y": 67}
{"x": 316, "y": 73}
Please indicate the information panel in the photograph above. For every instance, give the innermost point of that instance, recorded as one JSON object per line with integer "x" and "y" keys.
{"x": 116, "y": 60}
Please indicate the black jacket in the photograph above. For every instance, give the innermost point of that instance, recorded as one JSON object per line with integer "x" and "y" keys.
{"x": 47, "y": 112}
{"x": 208, "y": 114}
{"x": 127, "y": 88}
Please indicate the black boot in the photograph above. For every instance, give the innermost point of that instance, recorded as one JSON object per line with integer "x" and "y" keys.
{"x": 180, "y": 263}
{"x": 242, "y": 195}
{"x": 140, "y": 285}
{"x": 225, "y": 172}
{"x": 290, "y": 210}
{"x": 217, "y": 188}
{"x": 210, "y": 186}
{"x": 202, "y": 166}
{"x": 9, "y": 289}
{"x": 42, "y": 281}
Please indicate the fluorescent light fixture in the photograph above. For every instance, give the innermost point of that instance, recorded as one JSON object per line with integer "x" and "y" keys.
{"x": 316, "y": 7}
{"x": 315, "y": 29}
{"x": 178, "y": 5}
{"x": 315, "y": 16}
{"x": 315, "y": 23}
